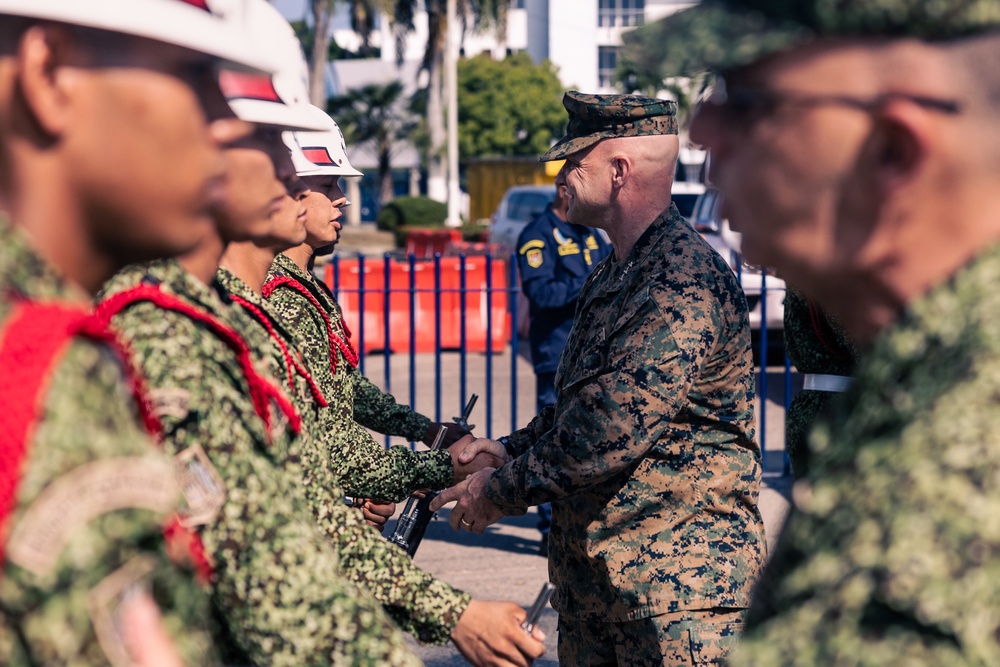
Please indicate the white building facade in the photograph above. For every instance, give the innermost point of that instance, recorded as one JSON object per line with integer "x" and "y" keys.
{"x": 581, "y": 37}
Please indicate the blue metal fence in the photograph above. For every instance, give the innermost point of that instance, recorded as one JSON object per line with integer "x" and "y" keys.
{"x": 500, "y": 378}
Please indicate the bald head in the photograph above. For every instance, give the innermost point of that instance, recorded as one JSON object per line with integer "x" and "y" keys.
{"x": 621, "y": 185}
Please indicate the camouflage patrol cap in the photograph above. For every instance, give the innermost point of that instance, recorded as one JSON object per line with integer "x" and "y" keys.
{"x": 596, "y": 117}
{"x": 722, "y": 34}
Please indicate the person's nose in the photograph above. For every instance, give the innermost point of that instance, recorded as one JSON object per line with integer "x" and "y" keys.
{"x": 707, "y": 129}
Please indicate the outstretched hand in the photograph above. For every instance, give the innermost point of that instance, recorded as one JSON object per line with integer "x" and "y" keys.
{"x": 470, "y": 455}
{"x": 473, "y": 510}
{"x": 490, "y": 633}
{"x": 377, "y": 513}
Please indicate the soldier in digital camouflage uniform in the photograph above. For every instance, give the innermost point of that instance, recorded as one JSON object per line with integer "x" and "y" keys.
{"x": 277, "y": 584}
{"x": 856, "y": 145}
{"x": 818, "y": 347}
{"x": 648, "y": 456}
{"x": 85, "y": 496}
{"x": 430, "y": 609}
{"x": 364, "y": 467}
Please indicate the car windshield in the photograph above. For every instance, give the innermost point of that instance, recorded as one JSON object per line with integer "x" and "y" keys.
{"x": 526, "y": 206}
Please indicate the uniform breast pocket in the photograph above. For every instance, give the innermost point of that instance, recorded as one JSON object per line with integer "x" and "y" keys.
{"x": 587, "y": 360}
{"x": 637, "y": 328}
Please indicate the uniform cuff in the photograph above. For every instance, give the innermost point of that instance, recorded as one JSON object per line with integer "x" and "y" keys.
{"x": 504, "y": 489}
{"x": 434, "y": 470}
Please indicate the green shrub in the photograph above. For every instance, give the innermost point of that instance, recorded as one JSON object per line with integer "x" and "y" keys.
{"x": 410, "y": 212}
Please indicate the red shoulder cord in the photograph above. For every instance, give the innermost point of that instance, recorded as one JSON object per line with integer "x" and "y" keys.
{"x": 261, "y": 391}
{"x": 34, "y": 339}
{"x": 291, "y": 363}
{"x": 819, "y": 326}
{"x": 336, "y": 342}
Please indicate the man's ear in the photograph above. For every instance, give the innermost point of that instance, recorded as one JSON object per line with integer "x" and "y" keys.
{"x": 44, "y": 81}
{"x": 621, "y": 170}
{"x": 904, "y": 134}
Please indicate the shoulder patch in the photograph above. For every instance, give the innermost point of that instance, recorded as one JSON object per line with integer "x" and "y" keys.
{"x": 85, "y": 493}
{"x": 535, "y": 258}
{"x": 169, "y": 401}
{"x": 203, "y": 488}
{"x": 536, "y": 243}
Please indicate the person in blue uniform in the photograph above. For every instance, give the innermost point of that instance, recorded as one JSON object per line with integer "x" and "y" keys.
{"x": 555, "y": 257}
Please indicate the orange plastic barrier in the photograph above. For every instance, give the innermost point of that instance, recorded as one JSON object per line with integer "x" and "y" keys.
{"x": 423, "y": 243}
{"x": 373, "y": 304}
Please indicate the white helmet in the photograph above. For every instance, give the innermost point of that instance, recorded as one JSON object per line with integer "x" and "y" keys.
{"x": 281, "y": 100}
{"x": 322, "y": 153}
{"x": 187, "y": 23}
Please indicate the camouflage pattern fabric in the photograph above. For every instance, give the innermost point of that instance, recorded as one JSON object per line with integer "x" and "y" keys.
{"x": 86, "y": 419}
{"x": 698, "y": 637}
{"x": 278, "y": 586}
{"x": 724, "y": 34}
{"x": 815, "y": 343}
{"x": 648, "y": 456}
{"x": 364, "y": 468}
{"x": 890, "y": 556}
{"x": 596, "y": 117}
{"x": 427, "y": 608}
{"x": 373, "y": 408}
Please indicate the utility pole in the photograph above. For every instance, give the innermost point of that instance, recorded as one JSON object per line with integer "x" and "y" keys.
{"x": 451, "y": 80}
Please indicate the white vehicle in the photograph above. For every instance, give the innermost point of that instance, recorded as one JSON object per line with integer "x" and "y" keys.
{"x": 715, "y": 229}
{"x": 523, "y": 203}
{"x": 519, "y": 206}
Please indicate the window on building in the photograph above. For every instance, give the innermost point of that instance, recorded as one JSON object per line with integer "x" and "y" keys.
{"x": 517, "y": 4}
{"x": 620, "y": 13}
{"x": 607, "y": 63}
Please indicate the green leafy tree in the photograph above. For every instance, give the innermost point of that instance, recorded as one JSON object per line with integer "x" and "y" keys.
{"x": 507, "y": 107}
{"x": 375, "y": 113}
{"x": 483, "y": 14}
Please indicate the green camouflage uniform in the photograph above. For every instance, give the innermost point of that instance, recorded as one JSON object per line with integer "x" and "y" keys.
{"x": 891, "y": 557}
{"x": 648, "y": 456}
{"x": 427, "y": 608}
{"x": 86, "y": 420}
{"x": 815, "y": 343}
{"x": 278, "y": 585}
{"x": 364, "y": 467}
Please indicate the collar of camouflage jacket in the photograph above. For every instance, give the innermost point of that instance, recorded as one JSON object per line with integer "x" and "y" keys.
{"x": 292, "y": 270}
{"x": 23, "y": 273}
{"x": 622, "y": 272}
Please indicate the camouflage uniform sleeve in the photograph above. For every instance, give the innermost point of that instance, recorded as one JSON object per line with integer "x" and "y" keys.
{"x": 87, "y": 422}
{"x": 522, "y": 439}
{"x": 426, "y": 607}
{"x": 364, "y": 468}
{"x": 623, "y": 398}
{"x": 277, "y": 583}
{"x": 379, "y": 411}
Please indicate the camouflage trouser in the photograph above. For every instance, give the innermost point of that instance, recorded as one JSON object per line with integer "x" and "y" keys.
{"x": 691, "y": 637}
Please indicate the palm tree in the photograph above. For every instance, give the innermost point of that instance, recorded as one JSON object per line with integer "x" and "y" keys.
{"x": 375, "y": 113}
{"x": 484, "y": 14}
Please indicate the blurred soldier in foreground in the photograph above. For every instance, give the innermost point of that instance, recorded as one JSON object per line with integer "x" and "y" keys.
{"x": 94, "y": 98}
{"x": 648, "y": 455}
{"x": 364, "y": 467}
{"x": 858, "y": 152}
{"x": 430, "y": 609}
{"x": 554, "y": 258}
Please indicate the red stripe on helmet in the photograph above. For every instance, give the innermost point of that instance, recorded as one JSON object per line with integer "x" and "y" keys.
{"x": 200, "y": 4}
{"x": 241, "y": 85}
{"x": 319, "y": 155}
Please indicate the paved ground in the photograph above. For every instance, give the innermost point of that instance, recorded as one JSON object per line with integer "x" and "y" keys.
{"x": 504, "y": 563}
